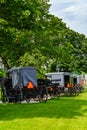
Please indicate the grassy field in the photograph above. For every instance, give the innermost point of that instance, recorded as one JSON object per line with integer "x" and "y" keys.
{"x": 0, "y": 94}
{"x": 66, "y": 113}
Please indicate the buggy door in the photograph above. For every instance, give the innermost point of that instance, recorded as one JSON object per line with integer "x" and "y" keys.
{"x": 66, "y": 80}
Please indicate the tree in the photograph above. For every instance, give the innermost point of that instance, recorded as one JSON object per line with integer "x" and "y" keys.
{"x": 17, "y": 17}
{"x": 32, "y": 36}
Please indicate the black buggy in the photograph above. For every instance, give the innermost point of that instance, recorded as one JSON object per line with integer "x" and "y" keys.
{"x": 21, "y": 84}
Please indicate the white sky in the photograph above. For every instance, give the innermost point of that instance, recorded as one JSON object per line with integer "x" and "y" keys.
{"x": 72, "y": 12}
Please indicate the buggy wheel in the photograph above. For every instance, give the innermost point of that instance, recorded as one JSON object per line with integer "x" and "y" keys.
{"x": 3, "y": 95}
{"x": 44, "y": 98}
{"x": 73, "y": 92}
{"x": 37, "y": 98}
{"x": 57, "y": 95}
{"x": 57, "y": 92}
{"x": 18, "y": 94}
{"x": 77, "y": 92}
{"x": 44, "y": 94}
{"x": 27, "y": 97}
{"x": 28, "y": 100}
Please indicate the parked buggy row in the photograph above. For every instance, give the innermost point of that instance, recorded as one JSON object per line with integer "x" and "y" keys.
{"x": 21, "y": 84}
{"x": 64, "y": 83}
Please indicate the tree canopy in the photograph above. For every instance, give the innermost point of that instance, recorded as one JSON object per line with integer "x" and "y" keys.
{"x": 31, "y": 36}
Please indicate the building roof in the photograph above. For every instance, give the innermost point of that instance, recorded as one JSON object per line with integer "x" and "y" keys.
{"x": 58, "y": 73}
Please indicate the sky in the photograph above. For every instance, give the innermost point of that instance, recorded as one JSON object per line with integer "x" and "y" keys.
{"x": 72, "y": 12}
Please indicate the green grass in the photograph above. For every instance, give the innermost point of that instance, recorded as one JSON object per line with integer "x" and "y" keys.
{"x": 66, "y": 113}
{"x": 0, "y": 93}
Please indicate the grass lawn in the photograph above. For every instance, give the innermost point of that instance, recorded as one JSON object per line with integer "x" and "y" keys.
{"x": 0, "y": 93}
{"x": 66, "y": 113}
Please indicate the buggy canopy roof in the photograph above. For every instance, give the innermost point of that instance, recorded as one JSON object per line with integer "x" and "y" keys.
{"x": 58, "y": 73}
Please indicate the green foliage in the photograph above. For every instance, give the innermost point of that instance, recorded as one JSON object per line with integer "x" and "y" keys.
{"x": 35, "y": 58}
{"x": 2, "y": 73}
{"x": 30, "y": 36}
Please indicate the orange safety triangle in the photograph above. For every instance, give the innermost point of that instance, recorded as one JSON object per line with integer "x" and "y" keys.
{"x": 30, "y": 85}
{"x": 68, "y": 85}
{"x": 51, "y": 89}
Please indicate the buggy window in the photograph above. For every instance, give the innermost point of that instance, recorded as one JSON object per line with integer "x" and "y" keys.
{"x": 15, "y": 78}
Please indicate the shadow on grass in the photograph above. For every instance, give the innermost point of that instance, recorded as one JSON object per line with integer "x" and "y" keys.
{"x": 54, "y": 108}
